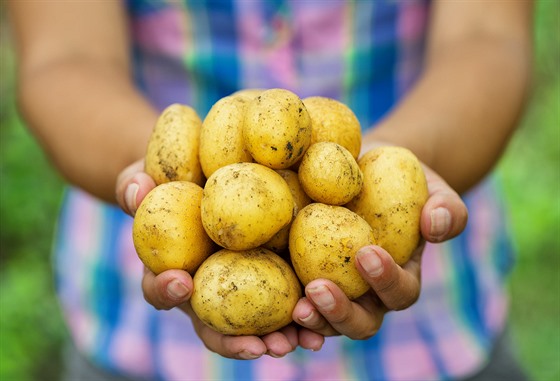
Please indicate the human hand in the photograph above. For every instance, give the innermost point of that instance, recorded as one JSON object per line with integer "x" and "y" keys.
{"x": 133, "y": 184}
{"x": 173, "y": 288}
{"x": 327, "y": 311}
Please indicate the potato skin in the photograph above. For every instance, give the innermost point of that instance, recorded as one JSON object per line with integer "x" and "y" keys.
{"x": 251, "y": 292}
{"x": 392, "y": 198}
{"x": 250, "y": 93}
{"x": 221, "y": 135}
{"x": 279, "y": 242}
{"x": 277, "y": 128}
{"x": 329, "y": 174}
{"x": 244, "y": 205}
{"x": 333, "y": 121}
{"x": 167, "y": 231}
{"x": 324, "y": 240}
{"x": 172, "y": 152}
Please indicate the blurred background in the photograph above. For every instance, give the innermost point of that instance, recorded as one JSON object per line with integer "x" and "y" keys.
{"x": 31, "y": 329}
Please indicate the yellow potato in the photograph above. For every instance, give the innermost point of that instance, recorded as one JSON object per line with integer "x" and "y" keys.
{"x": 167, "y": 230}
{"x": 329, "y": 174}
{"x": 277, "y": 128}
{"x": 172, "y": 153}
{"x": 249, "y": 93}
{"x": 244, "y": 205}
{"x": 279, "y": 242}
{"x": 251, "y": 292}
{"x": 221, "y": 137}
{"x": 392, "y": 198}
{"x": 324, "y": 240}
{"x": 333, "y": 121}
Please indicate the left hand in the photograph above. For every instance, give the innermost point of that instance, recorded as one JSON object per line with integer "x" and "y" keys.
{"x": 326, "y": 310}
{"x": 173, "y": 288}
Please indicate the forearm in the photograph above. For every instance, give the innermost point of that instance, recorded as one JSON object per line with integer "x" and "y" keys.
{"x": 468, "y": 101}
{"x": 461, "y": 113}
{"x": 75, "y": 90}
{"x": 89, "y": 119}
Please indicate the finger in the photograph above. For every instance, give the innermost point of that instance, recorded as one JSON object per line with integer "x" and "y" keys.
{"x": 444, "y": 215}
{"x": 138, "y": 188}
{"x": 291, "y": 332}
{"x": 123, "y": 180}
{"x": 311, "y": 340}
{"x": 358, "y": 321}
{"x": 133, "y": 184}
{"x": 397, "y": 287}
{"x": 235, "y": 347}
{"x": 169, "y": 289}
{"x": 280, "y": 343}
{"x": 307, "y": 316}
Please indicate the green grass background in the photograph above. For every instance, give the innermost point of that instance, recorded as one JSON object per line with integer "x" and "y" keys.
{"x": 31, "y": 329}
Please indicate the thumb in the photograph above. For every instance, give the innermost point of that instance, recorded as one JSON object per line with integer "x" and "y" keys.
{"x": 444, "y": 215}
{"x": 133, "y": 184}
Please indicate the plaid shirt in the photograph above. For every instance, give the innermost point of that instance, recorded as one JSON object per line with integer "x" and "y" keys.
{"x": 364, "y": 53}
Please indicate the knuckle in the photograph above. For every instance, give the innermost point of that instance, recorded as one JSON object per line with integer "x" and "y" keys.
{"x": 156, "y": 302}
{"x": 341, "y": 318}
{"x": 150, "y": 301}
{"x": 386, "y": 286}
{"x": 405, "y": 301}
{"x": 363, "y": 336}
{"x": 316, "y": 324}
{"x": 320, "y": 326}
{"x": 367, "y": 332}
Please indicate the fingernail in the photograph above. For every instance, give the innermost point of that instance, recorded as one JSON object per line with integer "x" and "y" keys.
{"x": 316, "y": 349}
{"x": 370, "y": 261}
{"x": 177, "y": 290}
{"x": 246, "y": 355}
{"x": 440, "y": 223}
{"x": 308, "y": 318}
{"x": 130, "y": 197}
{"x": 322, "y": 297}
{"x": 272, "y": 354}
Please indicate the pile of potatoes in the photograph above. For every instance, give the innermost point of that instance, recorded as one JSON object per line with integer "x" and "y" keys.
{"x": 267, "y": 194}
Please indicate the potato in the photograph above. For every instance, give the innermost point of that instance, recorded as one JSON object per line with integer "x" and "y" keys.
{"x": 221, "y": 136}
{"x": 244, "y": 205}
{"x": 333, "y": 121}
{"x": 279, "y": 242}
{"x": 392, "y": 198}
{"x": 249, "y": 93}
{"x": 167, "y": 230}
{"x": 251, "y": 292}
{"x": 277, "y": 128}
{"x": 172, "y": 153}
{"x": 329, "y": 174}
{"x": 324, "y": 240}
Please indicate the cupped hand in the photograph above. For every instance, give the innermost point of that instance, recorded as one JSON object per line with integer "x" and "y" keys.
{"x": 173, "y": 288}
{"x": 326, "y": 310}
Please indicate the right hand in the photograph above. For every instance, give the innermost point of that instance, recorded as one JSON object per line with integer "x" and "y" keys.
{"x": 133, "y": 184}
{"x": 173, "y": 288}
